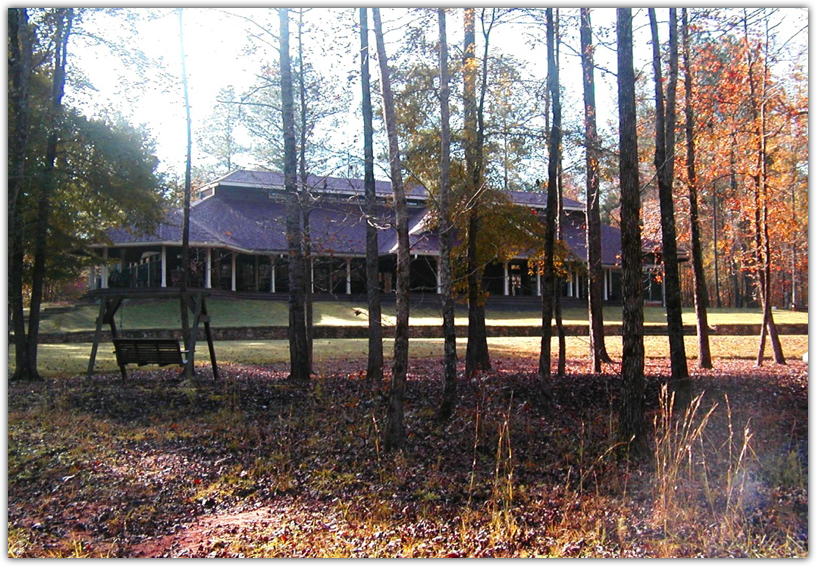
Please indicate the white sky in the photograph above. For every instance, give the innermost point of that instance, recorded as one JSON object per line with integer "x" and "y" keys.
{"x": 214, "y": 46}
{"x": 215, "y": 43}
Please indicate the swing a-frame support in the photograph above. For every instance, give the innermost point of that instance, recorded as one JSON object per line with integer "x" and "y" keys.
{"x": 159, "y": 351}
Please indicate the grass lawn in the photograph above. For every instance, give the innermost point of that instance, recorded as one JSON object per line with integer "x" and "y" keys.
{"x": 63, "y": 360}
{"x": 72, "y": 359}
{"x": 231, "y": 313}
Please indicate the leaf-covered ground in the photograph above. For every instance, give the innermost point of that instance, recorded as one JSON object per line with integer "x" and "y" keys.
{"x": 253, "y": 465}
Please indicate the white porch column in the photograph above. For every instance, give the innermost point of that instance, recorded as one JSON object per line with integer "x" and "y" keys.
{"x": 348, "y": 276}
{"x": 538, "y": 283}
{"x": 272, "y": 274}
{"x": 506, "y": 280}
{"x": 663, "y": 288}
{"x": 105, "y": 268}
{"x": 233, "y": 285}
{"x": 571, "y": 285}
{"x": 208, "y": 270}
{"x": 164, "y": 266}
{"x": 606, "y": 273}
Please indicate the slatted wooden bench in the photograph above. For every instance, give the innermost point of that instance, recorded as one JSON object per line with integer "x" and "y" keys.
{"x": 148, "y": 351}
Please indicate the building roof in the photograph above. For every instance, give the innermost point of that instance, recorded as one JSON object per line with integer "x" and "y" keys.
{"x": 323, "y": 184}
{"x": 538, "y": 199}
{"x": 244, "y": 211}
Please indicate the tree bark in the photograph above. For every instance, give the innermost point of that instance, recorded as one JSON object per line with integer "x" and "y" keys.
{"x": 298, "y": 341}
{"x": 22, "y": 370}
{"x": 445, "y": 228}
{"x": 700, "y": 288}
{"x": 548, "y": 287}
{"x": 19, "y": 68}
{"x": 477, "y": 356}
{"x": 189, "y": 369}
{"x": 632, "y": 422}
{"x": 48, "y": 187}
{"x": 597, "y": 344}
{"x": 305, "y": 203}
{"x": 375, "y": 345}
{"x": 395, "y": 432}
{"x": 559, "y": 234}
{"x": 665, "y": 113}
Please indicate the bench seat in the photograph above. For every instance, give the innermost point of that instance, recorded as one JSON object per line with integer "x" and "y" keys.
{"x": 148, "y": 351}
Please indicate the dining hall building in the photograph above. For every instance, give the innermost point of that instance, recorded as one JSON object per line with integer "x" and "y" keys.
{"x": 237, "y": 244}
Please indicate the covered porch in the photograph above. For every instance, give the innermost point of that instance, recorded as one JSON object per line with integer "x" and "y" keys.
{"x": 157, "y": 266}
{"x": 160, "y": 266}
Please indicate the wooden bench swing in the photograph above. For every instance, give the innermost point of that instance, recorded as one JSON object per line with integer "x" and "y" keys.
{"x": 148, "y": 351}
{"x": 155, "y": 351}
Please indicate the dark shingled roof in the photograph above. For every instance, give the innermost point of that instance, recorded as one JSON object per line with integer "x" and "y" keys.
{"x": 273, "y": 179}
{"x": 243, "y": 219}
{"x": 539, "y": 199}
{"x": 259, "y": 225}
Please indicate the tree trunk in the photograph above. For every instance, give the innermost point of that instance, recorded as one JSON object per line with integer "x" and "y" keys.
{"x": 22, "y": 369}
{"x": 20, "y": 54}
{"x": 48, "y": 187}
{"x": 762, "y": 252}
{"x": 559, "y": 234}
{"x": 298, "y": 341}
{"x": 445, "y": 227}
{"x": 632, "y": 422}
{"x": 548, "y": 287}
{"x": 477, "y": 356}
{"x": 308, "y": 262}
{"x": 189, "y": 369}
{"x": 597, "y": 344}
{"x": 19, "y": 68}
{"x": 305, "y": 203}
{"x": 395, "y": 433}
{"x": 375, "y": 345}
{"x": 700, "y": 288}
{"x": 664, "y": 162}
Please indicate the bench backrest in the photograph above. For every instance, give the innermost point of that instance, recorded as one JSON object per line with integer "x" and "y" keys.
{"x": 147, "y": 351}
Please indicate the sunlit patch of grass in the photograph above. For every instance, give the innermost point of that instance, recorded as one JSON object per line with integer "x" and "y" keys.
{"x": 656, "y": 347}
{"x": 246, "y": 312}
{"x": 59, "y": 360}
{"x": 75, "y": 548}
{"x": 18, "y": 542}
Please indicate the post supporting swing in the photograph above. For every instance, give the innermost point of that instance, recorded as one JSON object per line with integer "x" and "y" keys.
{"x": 193, "y": 301}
